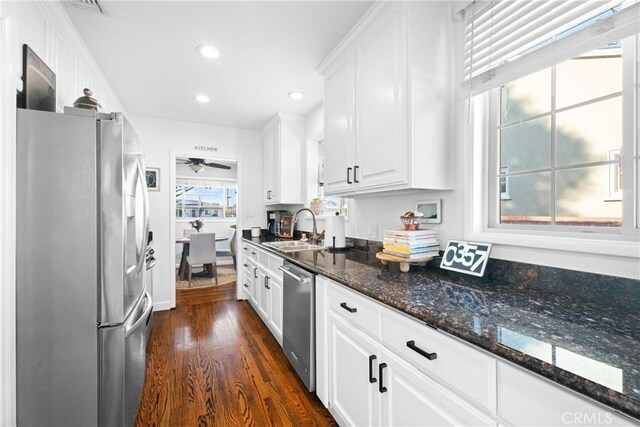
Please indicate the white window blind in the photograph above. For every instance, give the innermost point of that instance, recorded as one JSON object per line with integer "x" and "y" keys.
{"x": 506, "y": 40}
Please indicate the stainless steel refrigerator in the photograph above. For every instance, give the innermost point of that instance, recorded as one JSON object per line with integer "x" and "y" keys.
{"x": 84, "y": 311}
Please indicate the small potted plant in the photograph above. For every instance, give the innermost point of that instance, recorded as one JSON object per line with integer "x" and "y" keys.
{"x": 197, "y": 224}
{"x": 411, "y": 220}
{"x": 317, "y": 206}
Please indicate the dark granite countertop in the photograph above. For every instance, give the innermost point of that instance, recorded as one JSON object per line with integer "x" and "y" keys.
{"x": 578, "y": 329}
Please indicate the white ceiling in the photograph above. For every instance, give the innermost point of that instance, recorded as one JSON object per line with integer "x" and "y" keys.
{"x": 146, "y": 50}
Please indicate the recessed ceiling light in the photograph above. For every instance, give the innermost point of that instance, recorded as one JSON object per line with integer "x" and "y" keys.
{"x": 203, "y": 99}
{"x": 295, "y": 95}
{"x": 207, "y": 51}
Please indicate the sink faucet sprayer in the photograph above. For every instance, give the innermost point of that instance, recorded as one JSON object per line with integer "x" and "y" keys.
{"x": 314, "y": 236}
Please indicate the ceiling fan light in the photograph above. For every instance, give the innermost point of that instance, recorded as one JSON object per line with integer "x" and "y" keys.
{"x": 196, "y": 167}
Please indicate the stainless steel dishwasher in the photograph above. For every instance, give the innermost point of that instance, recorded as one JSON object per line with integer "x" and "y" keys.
{"x": 298, "y": 322}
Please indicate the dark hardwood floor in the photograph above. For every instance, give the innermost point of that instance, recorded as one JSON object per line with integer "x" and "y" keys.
{"x": 212, "y": 362}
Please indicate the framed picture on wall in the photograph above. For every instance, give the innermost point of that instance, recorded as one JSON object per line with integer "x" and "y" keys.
{"x": 431, "y": 209}
{"x": 152, "y": 176}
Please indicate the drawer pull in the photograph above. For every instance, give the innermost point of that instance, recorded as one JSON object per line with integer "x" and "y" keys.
{"x": 253, "y": 253}
{"x": 246, "y": 286}
{"x": 245, "y": 249}
{"x": 346, "y": 307}
{"x": 382, "y": 388}
{"x": 371, "y": 359}
{"x": 412, "y": 345}
{"x": 246, "y": 265}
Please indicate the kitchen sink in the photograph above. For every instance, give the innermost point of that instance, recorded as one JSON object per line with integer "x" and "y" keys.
{"x": 293, "y": 246}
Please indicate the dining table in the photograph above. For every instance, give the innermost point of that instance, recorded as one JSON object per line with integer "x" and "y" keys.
{"x": 182, "y": 269}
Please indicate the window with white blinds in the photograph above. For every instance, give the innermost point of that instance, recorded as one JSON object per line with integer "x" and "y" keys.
{"x": 506, "y": 40}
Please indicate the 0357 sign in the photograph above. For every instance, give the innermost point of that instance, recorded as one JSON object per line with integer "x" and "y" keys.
{"x": 466, "y": 257}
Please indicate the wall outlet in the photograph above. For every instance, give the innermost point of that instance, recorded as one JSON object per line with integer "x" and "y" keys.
{"x": 373, "y": 231}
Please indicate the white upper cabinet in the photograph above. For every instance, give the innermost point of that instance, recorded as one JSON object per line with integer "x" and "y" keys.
{"x": 387, "y": 101}
{"x": 283, "y": 139}
{"x": 381, "y": 129}
{"x": 339, "y": 136}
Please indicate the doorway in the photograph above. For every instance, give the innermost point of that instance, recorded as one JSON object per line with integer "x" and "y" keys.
{"x": 205, "y": 200}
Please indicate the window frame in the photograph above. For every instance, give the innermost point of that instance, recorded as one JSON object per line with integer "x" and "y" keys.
{"x": 343, "y": 202}
{"x": 482, "y": 192}
{"x": 225, "y": 187}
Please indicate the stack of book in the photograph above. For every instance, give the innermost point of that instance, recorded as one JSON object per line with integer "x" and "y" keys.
{"x": 411, "y": 244}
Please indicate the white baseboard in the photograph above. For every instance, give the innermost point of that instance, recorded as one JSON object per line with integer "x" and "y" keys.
{"x": 162, "y": 305}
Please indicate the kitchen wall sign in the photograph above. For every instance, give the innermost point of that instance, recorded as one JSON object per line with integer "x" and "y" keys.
{"x": 466, "y": 257}
{"x": 152, "y": 177}
{"x": 205, "y": 148}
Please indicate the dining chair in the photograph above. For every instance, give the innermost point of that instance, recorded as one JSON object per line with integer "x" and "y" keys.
{"x": 231, "y": 252}
{"x": 202, "y": 252}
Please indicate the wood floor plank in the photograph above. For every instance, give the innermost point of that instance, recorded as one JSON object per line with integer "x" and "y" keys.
{"x": 212, "y": 362}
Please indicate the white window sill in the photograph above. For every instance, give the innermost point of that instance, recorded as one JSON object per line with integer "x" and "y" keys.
{"x": 567, "y": 243}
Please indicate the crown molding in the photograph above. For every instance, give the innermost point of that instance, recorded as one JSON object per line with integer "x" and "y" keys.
{"x": 349, "y": 41}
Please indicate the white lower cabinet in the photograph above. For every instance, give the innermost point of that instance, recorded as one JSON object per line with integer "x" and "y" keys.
{"x": 275, "y": 306}
{"x": 370, "y": 385}
{"x": 525, "y": 399}
{"x": 264, "y": 286}
{"x": 413, "y": 399}
{"x": 253, "y": 278}
{"x": 378, "y": 367}
{"x": 261, "y": 283}
{"x": 352, "y": 396}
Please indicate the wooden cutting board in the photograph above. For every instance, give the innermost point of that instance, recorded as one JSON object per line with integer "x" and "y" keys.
{"x": 405, "y": 263}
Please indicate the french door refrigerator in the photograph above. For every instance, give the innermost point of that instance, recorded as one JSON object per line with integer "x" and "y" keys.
{"x": 83, "y": 310}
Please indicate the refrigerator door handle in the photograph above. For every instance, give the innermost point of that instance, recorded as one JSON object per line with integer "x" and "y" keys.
{"x": 143, "y": 183}
{"x": 130, "y": 327}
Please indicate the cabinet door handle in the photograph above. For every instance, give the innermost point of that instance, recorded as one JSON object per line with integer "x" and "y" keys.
{"x": 382, "y": 388}
{"x": 412, "y": 345}
{"x": 266, "y": 282}
{"x": 269, "y": 195}
{"x": 355, "y": 174}
{"x": 245, "y": 249}
{"x": 349, "y": 309}
{"x": 253, "y": 253}
{"x": 246, "y": 286}
{"x": 246, "y": 265}
{"x": 255, "y": 273}
{"x": 371, "y": 359}
{"x": 349, "y": 176}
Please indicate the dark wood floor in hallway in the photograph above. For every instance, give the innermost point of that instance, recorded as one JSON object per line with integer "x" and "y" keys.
{"x": 212, "y": 362}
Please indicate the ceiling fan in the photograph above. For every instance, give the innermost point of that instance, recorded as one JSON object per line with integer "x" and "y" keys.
{"x": 196, "y": 165}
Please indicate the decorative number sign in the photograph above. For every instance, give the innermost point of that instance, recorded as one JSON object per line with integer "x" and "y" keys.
{"x": 466, "y": 257}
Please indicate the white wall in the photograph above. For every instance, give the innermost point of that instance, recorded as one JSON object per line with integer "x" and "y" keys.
{"x": 45, "y": 27}
{"x": 383, "y": 213}
{"x": 163, "y": 140}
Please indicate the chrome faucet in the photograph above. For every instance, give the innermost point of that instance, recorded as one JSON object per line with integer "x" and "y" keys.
{"x": 314, "y": 236}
